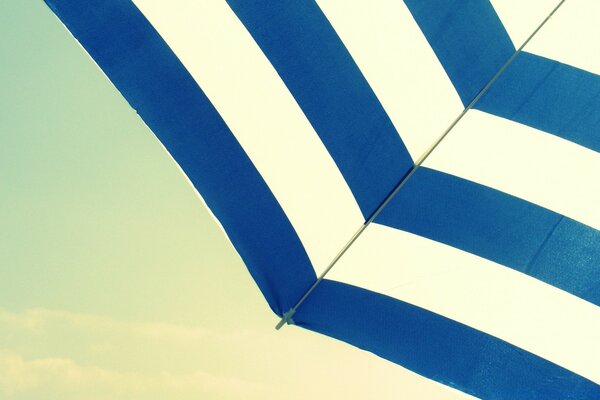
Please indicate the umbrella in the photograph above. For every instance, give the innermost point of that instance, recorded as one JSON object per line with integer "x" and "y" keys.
{"x": 414, "y": 178}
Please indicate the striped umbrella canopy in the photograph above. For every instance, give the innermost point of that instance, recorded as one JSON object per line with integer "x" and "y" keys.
{"x": 419, "y": 179}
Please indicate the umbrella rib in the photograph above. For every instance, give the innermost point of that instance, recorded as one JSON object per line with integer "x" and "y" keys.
{"x": 287, "y": 317}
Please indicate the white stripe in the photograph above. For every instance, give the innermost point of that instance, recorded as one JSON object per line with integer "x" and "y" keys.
{"x": 524, "y": 162}
{"x": 402, "y": 69}
{"x": 571, "y": 36}
{"x": 236, "y": 76}
{"x": 482, "y": 294}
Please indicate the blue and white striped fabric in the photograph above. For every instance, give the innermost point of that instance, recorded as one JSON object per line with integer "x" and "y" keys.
{"x": 295, "y": 119}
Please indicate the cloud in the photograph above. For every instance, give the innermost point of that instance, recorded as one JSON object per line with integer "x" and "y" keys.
{"x": 20, "y": 379}
{"x": 39, "y": 319}
{"x": 73, "y": 356}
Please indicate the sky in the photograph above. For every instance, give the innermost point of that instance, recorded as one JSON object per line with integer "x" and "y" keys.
{"x": 115, "y": 281}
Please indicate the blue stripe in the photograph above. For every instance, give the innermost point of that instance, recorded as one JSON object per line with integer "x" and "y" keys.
{"x": 155, "y": 83}
{"x": 468, "y": 39}
{"x": 332, "y": 92}
{"x": 437, "y": 347}
{"x": 501, "y": 228}
{"x": 550, "y": 96}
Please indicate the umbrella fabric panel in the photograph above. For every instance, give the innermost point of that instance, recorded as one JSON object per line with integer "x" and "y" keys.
{"x": 266, "y": 120}
{"x": 157, "y": 85}
{"x": 501, "y": 228}
{"x": 480, "y": 293}
{"x": 524, "y": 162}
{"x": 437, "y": 347}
